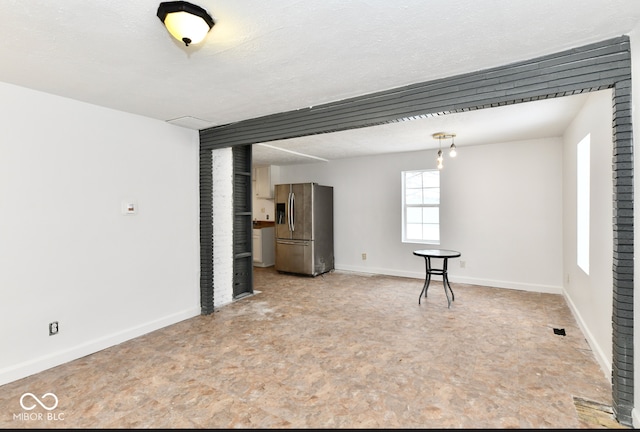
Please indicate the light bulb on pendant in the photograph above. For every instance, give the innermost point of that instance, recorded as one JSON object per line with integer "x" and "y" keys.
{"x": 452, "y": 151}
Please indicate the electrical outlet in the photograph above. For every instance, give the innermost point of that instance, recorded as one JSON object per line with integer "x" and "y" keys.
{"x": 53, "y": 328}
{"x": 463, "y": 264}
{"x": 364, "y": 256}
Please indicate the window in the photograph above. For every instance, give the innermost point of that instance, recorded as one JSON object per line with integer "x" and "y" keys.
{"x": 421, "y": 206}
{"x": 583, "y": 204}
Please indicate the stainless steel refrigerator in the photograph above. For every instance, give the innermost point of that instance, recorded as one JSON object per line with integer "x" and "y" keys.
{"x": 304, "y": 228}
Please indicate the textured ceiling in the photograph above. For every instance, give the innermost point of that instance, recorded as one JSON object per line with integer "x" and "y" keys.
{"x": 524, "y": 121}
{"x": 264, "y": 57}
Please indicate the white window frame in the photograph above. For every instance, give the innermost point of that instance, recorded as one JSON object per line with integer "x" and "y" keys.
{"x": 432, "y": 202}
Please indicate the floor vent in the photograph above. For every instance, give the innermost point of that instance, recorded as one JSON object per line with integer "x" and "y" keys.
{"x": 596, "y": 414}
{"x": 560, "y": 332}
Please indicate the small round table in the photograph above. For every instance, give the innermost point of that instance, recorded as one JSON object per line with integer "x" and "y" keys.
{"x": 444, "y": 254}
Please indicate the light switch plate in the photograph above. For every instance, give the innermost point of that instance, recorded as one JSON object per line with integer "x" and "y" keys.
{"x": 129, "y": 207}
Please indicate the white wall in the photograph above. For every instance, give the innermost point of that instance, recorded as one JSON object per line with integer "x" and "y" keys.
{"x": 496, "y": 198}
{"x": 67, "y": 253}
{"x": 591, "y": 296}
{"x": 266, "y": 204}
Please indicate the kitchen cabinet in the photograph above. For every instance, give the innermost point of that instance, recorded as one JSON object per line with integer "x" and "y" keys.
{"x": 263, "y": 185}
{"x": 264, "y": 246}
{"x": 264, "y": 179}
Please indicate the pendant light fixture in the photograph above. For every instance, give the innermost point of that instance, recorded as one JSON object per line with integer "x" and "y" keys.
{"x": 440, "y": 158}
{"x": 452, "y": 149}
{"x": 186, "y": 22}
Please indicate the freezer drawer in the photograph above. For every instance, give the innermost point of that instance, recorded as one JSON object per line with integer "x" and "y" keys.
{"x": 295, "y": 256}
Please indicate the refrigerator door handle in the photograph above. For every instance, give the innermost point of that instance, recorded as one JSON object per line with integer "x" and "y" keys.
{"x": 289, "y": 211}
{"x": 293, "y": 204}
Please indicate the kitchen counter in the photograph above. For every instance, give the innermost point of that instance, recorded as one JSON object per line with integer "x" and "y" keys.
{"x": 263, "y": 224}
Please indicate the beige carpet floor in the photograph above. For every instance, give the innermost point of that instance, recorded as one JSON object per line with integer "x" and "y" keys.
{"x": 341, "y": 350}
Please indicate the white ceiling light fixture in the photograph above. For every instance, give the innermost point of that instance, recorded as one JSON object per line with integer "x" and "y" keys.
{"x": 186, "y": 22}
{"x": 452, "y": 149}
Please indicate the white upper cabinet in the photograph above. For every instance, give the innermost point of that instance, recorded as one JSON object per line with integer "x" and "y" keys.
{"x": 265, "y": 177}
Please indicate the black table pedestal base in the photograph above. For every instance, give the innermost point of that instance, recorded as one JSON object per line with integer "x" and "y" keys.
{"x": 444, "y": 255}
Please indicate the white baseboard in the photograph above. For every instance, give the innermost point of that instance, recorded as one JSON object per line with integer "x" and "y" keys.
{"x": 600, "y": 356}
{"x": 453, "y": 278}
{"x": 43, "y": 363}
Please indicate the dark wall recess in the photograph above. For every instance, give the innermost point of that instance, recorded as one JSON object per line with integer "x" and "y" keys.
{"x": 597, "y": 66}
{"x": 242, "y": 225}
{"x": 206, "y": 232}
